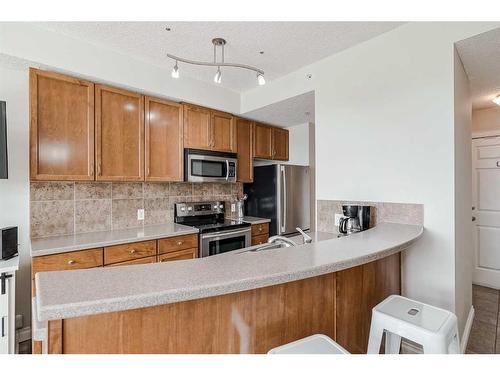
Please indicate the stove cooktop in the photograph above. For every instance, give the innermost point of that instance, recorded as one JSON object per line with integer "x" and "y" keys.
{"x": 225, "y": 225}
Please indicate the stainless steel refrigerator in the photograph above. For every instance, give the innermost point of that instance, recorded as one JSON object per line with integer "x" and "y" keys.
{"x": 281, "y": 193}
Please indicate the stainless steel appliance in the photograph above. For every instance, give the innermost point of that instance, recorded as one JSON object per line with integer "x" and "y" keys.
{"x": 209, "y": 166}
{"x": 281, "y": 193}
{"x": 356, "y": 219}
{"x": 217, "y": 234}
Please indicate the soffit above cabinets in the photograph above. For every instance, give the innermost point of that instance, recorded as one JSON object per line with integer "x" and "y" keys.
{"x": 480, "y": 56}
{"x": 287, "y": 46}
{"x": 292, "y": 111}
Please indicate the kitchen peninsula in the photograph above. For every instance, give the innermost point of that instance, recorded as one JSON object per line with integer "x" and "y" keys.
{"x": 239, "y": 302}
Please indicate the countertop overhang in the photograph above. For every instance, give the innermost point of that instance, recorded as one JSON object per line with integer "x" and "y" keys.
{"x": 67, "y": 294}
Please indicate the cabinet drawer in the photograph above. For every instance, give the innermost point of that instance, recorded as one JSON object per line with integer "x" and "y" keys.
{"x": 259, "y": 240}
{"x": 130, "y": 251}
{"x": 178, "y": 255}
{"x": 258, "y": 229}
{"x": 167, "y": 245}
{"x": 146, "y": 260}
{"x": 68, "y": 261}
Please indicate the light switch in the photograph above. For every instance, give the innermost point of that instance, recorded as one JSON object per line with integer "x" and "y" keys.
{"x": 140, "y": 214}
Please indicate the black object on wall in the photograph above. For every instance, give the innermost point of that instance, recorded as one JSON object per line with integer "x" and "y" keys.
{"x": 8, "y": 243}
{"x": 3, "y": 141}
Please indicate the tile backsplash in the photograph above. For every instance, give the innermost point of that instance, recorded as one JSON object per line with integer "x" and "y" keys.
{"x": 61, "y": 208}
{"x": 403, "y": 213}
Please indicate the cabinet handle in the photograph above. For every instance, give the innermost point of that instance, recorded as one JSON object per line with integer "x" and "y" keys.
{"x": 99, "y": 168}
{"x": 132, "y": 251}
{"x": 179, "y": 243}
{"x": 147, "y": 172}
{"x": 71, "y": 261}
{"x": 92, "y": 169}
{"x": 260, "y": 229}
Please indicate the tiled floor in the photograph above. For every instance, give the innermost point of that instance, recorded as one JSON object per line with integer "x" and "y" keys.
{"x": 485, "y": 334}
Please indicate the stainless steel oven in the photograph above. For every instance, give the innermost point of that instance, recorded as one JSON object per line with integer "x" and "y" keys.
{"x": 217, "y": 234}
{"x": 209, "y": 166}
{"x": 224, "y": 241}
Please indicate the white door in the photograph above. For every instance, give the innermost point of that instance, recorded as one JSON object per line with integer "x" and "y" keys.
{"x": 486, "y": 210}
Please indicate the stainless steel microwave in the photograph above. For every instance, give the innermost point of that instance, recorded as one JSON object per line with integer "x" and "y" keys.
{"x": 209, "y": 166}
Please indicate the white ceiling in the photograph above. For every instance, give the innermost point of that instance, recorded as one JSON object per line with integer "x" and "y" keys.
{"x": 293, "y": 111}
{"x": 480, "y": 56}
{"x": 287, "y": 46}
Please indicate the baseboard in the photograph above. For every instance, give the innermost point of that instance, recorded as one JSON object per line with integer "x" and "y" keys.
{"x": 467, "y": 329}
{"x": 23, "y": 334}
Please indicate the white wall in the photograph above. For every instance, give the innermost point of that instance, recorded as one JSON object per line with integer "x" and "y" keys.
{"x": 486, "y": 120}
{"x": 463, "y": 194}
{"x": 385, "y": 132}
{"x": 14, "y": 192}
{"x": 298, "y": 144}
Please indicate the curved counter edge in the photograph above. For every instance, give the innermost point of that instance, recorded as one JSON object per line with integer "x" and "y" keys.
{"x": 124, "y": 288}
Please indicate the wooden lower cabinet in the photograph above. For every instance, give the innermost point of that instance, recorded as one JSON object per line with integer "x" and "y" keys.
{"x": 260, "y": 233}
{"x": 146, "y": 260}
{"x": 259, "y": 240}
{"x": 178, "y": 255}
{"x": 336, "y": 304}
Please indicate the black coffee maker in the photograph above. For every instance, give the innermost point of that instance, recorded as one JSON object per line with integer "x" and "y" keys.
{"x": 356, "y": 219}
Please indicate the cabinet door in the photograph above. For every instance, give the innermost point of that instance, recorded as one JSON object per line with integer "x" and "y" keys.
{"x": 61, "y": 127}
{"x": 197, "y": 127}
{"x": 222, "y": 129}
{"x": 163, "y": 132}
{"x": 119, "y": 134}
{"x": 178, "y": 255}
{"x": 280, "y": 144}
{"x": 244, "y": 148}
{"x": 262, "y": 141}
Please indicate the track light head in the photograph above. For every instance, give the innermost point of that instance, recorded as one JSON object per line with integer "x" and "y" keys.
{"x": 175, "y": 71}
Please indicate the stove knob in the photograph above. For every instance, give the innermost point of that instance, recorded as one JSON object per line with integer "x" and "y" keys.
{"x": 215, "y": 207}
{"x": 190, "y": 208}
{"x": 221, "y": 206}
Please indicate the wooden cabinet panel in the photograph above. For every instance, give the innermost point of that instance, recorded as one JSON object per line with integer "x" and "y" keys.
{"x": 260, "y": 239}
{"x": 223, "y": 134}
{"x": 258, "y": 229}
{"x": 197, "y": 128}
{"x": 67, "y": 261}
{"x": 178, "y": 255}
{"x": 130, "y": 251}
{"x": 263, "y": 141}
{"x": 145, "y": 260}
{"x": 61, "y": 127}
{"x": 168, "y": 245}
{"x": 163, "y": 133}
{"x": 280, "y": 144}
{"x": 119, "y": 134}
{"x": 244, "y": 148}
{"x": 359, "y": 289}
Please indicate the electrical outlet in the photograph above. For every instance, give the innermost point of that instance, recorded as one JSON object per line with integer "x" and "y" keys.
{"x": 140, "y": 214}
{"x": 337, "y": 219}
{"x": 233, "y": 207}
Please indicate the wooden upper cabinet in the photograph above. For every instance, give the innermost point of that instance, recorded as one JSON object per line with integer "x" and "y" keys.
{"x": 280, "y": 144}
{"x": 119, "y": 122}
{"x": 163, "y": 133}
{"x": 61, "y": 127}
{"x": 263, "y": 141}
{"x": 244, "y": 146}
{"x": 197, "y": 128}
{"x": 222, "y": 132}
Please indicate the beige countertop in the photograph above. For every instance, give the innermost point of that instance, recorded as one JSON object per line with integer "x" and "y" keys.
{"x": 62, "y": 244}
{"x": 66, "y": 294}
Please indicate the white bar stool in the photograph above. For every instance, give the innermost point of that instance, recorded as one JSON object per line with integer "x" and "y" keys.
{"x": 434, "y": 328}
{"x": 315, "y": 344}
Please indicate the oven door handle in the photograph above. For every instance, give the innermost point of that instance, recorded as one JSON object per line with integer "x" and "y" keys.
{"x": 227, "y": 170}
{"x": 225, "y": 234}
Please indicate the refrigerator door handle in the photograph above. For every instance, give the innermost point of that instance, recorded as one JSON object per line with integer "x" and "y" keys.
{"x": 284, "y": 197}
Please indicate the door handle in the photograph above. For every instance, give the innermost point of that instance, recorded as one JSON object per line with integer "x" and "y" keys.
{"x": 498, "y": 163}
